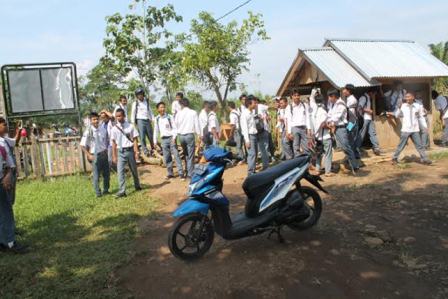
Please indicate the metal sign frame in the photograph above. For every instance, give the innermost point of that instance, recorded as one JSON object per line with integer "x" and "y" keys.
{"x": 33, "y": 67}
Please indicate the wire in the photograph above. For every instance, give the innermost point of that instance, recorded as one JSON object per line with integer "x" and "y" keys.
{"x": 233, "y": 10}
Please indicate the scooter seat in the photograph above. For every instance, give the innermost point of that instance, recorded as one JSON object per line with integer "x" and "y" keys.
{"x": 258, "y": 185}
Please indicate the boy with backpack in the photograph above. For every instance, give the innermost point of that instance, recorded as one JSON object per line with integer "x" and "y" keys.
{"x": 142, "y": 117}
{"x": 165, "y": 128}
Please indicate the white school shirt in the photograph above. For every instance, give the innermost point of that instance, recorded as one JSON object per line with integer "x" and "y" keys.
{"x": 175, "y": 108}
{"x": 281, "y": 116}
{"x": 263, "y": 110}
{"x": 411, "y": 117}
{"x": 441, "y": 103}
{"x": 164, "y": 126}
{"x": 366, "y": 103}
{"x": 337, "y": 113}
{"x": 143, "y": 111}
{"x": 203, "y": 120}
{"x": 187, "y": 122}
{"x": 320, "y": 118}
{"x": 213, "y": 122}
{"x": 9, "y": 144}
{"x": 352, "y": 103}
{"x": 234, "y": 117}
{"x": 5, "y": 163}
{"x": 110, "y": 124}
{"x": 248, "y": 124}
{"x": 297, "y": 116}
{"x": 120, "y": 139}
{"x": 125, "y": 108}
{"x": 95, "y": 139}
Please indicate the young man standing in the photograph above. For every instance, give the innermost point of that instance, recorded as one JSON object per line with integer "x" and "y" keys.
{"x": 187, "y": 125}
{"x": 7, "y": 222}
{"x": 203, "y": 121}
{"x": 411, "y": 115}
{"x": 424, "y": 131}
{"x": 441, "y": 104}
{"x": 165, "y": 128}
{"x": 142, "y": 117}
{"x": 107, "y": 123}
{"x": 352, "y": 105}
{"x": 95, "y": 143}
{"x": 368, "y": 126}
{"x": 322, "y": 135}
{"x": 282, "y": 123}
{"x": 299, "y": 124}
{"x": 213, "y": 124}
{"x": 253, "y": 126}
{"x": 337, "y": 121}
{"x": 122, "y": 104}
{"x": 235, "y": 132}
{"x": 124, "y": 151}
{"x": 9, "y": 144}
{"x": 175, "y": 106}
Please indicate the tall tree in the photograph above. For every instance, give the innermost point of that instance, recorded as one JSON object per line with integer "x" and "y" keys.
{"x": 216, "y": 54}
{"x": 440, "y": 51}
{"x": 140, "y": 44}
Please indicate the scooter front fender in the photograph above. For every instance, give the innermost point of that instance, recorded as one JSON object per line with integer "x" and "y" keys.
{"x": 191, "y": 206}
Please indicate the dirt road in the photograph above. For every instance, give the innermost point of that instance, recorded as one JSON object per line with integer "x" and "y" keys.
{"x": 383, "y": 234}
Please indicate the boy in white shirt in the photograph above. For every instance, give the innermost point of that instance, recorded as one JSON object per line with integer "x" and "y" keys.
{"x": 142, "y": 117}
{"x": 299, "y": 124}
{"x": 203, "y": 122}
{"x": 365, "y": 108}
{"x": 175, "y": 106}
{"x": 253, "y": 126}
{"x": 322, "y": 135}
{"x": 424, "y": 131}
{"x": 411, "y": 115}
{"x": 165, "y": 128}
{"x": 124, "y": 151}
{"x": 352, "y": 105}
{"x": 282, "y": 123}
{"x": 235, "y": 133}
{"x": 95, "y": 143}
{"x": 123, "y": 104}
{"x": 441, "y": 104}
{"x": 213, "y": 124}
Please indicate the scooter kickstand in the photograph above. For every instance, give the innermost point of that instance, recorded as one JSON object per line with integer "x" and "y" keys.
{"x": 279, "y": 235}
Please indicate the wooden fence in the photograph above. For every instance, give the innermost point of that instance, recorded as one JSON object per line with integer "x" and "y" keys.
{"x": 49, "y": 157}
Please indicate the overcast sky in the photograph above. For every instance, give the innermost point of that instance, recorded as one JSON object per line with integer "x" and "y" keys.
{"x": 73, "y": 30}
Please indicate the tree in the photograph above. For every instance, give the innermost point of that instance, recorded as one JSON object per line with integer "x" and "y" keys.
{"x": 216, "y": 54}
{"x": 140, "y": 44}
{"x": 440, "y": 51}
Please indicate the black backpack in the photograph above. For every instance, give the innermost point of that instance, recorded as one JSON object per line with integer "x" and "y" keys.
{"x": 259, "y": 125}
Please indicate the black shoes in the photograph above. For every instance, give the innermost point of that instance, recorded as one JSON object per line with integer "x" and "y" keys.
{"x": 139, "y": 188}
{"x": 16, "y": 248}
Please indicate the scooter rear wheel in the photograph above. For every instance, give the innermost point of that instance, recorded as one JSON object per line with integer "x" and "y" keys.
{"x": 191, "y": 237}
{"x": 313, "y": 203}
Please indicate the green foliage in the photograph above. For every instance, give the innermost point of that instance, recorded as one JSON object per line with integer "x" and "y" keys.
{"x": 440, "y": 51}
{"x": 77, "y": 240}
{"x": 142, "y": 44}
{"x": 216, "y": 54}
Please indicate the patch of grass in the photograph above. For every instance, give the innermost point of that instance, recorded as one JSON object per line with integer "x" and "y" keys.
{"x": 439, "y": 155}
{"x": 77, "y": 239}
{"x": 403, "y": 165}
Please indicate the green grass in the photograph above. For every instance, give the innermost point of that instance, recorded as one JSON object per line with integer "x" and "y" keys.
{"x": 77, "y": 240}
{"x": 439, "y": 155}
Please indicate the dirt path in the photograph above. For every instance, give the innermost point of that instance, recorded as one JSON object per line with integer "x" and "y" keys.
{"x": 383, "y": 234}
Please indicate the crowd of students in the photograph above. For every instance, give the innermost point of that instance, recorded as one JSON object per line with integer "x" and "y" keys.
{"x": 315, "y": 125}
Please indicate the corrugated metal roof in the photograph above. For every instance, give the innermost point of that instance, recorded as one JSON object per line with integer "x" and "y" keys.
{"x": 388, "y": 58}
{"x": 338, "y": 71}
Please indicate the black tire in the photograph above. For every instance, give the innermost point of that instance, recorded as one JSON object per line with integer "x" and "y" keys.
{"x": 313, "y": 202}
{"x": 195, "y": 244}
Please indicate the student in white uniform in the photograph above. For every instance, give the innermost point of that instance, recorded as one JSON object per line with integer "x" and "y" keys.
{"x": 122, "y": 104}
{"x": 352, "y": 105}
{"x": 142, "y": 117}
{"x": 124, "y": 151}
{"x": 95, "y": 143}
{"x": 441, "y": 104}
{"x": 187, "y": 125}
{"x": 411, "y": 115}
{"x": 7, "y": 223}
{"x": 9, "y": 144}
{"x": 175, "y": 106}
{"x": 253, "y": 126}
{"x": 164, "y": 127}
{"x": 299, "y": 124}
{"x": 203, "y": 122}
{"x": 365, "y": 108}
{"x": 322, "y": 135}
{"x": 264, "y": 109}
{"x": 282, "y": 123}
{"x": 235, "y": 133}
{"x": 424, "y": 131}
{"x": 337, "y": 121}
{"x": 108, "y": 123}
{"x": 213, "y": 126}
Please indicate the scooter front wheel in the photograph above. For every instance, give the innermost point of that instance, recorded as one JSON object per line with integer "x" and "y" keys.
{"x": 191, "y": 237}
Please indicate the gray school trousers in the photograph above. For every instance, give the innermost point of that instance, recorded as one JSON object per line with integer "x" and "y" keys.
{"x": 169, "y": 150}
{"x": 327, "y": 155}
{"x": 415, "y": 136}
{"x": 300, "y": 142}
{"x": 341, "y": 135}
{"x": 126, "y": 156}
{"x": 188, "y": 143}
{"x": 258, "y": 142}
{"x": 100, "y": 166}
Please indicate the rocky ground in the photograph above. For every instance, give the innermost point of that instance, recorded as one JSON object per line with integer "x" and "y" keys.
{"x": 383, "y": 234}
